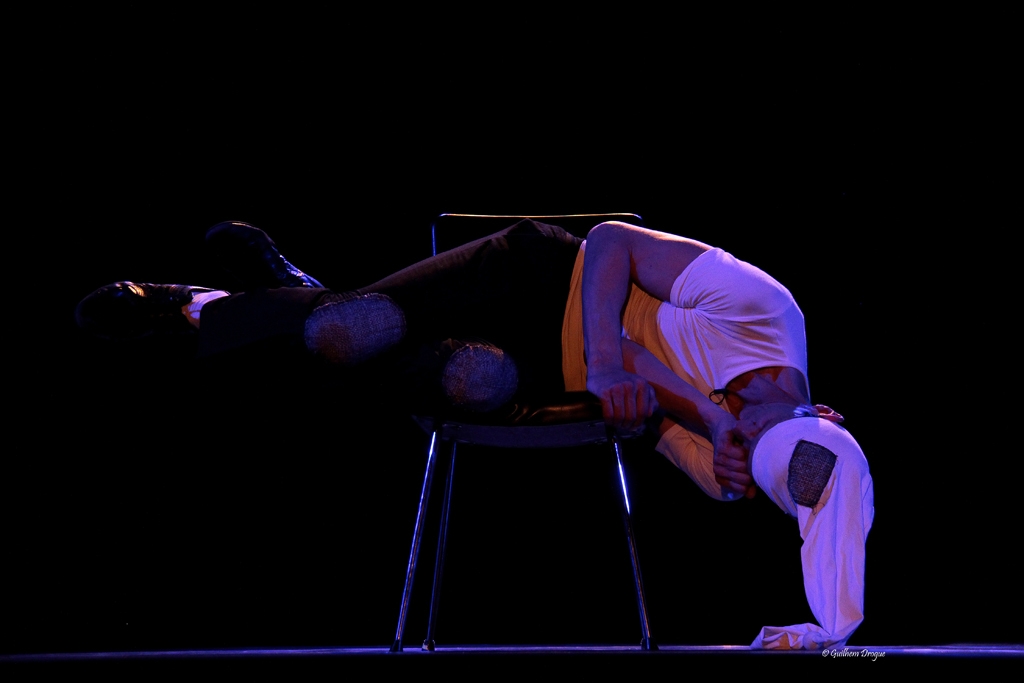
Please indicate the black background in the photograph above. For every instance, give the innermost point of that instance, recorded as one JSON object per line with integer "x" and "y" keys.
{"x": 152, "y": 503}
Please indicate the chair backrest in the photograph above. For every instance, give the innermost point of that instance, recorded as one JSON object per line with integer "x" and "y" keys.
{"x": 450, "y": 230}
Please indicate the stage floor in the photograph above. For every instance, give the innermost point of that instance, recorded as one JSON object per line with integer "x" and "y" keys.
{"x": 454, "y": 659}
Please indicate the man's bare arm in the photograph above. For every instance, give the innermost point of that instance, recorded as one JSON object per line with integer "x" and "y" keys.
{"x": 618, "y": 255}
{"x": 690, "y": 408}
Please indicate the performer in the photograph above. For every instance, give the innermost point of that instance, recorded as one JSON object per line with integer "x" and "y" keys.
{"x": 666, "y": 331}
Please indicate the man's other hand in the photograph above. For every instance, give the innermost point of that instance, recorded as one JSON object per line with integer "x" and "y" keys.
{"x": 732, "y": 464}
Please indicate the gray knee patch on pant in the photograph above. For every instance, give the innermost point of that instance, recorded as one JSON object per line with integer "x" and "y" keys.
{"x": 354, "y": 330}
{"x": 479, "y": 378}
{"x": 809, "y": 472}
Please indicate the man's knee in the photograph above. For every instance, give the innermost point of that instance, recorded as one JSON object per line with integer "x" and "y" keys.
{"x": 353, "y": 329}
{"x": 478, "y": 377}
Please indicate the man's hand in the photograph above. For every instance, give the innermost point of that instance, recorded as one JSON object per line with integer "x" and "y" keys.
{"x": 732, "y": 460}
{"x": 627, "y": 399}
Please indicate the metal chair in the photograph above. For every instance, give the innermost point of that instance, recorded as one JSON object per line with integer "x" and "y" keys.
{"x": 570, "y": 420}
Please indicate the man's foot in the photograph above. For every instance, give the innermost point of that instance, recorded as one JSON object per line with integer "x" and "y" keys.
{"x": 131, "y": 310}
{"x": 354, "y": 330}
{"x": 250, "y": 255}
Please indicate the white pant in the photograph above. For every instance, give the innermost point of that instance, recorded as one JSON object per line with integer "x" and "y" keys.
{"x": 834, "y": 532}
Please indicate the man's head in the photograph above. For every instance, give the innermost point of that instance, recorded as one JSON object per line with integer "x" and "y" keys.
{"x": 756, "y": 419}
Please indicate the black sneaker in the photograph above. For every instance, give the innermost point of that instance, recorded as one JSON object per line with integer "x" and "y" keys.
{"x": 250, "y": 255}
{"x": 132, "y": 310}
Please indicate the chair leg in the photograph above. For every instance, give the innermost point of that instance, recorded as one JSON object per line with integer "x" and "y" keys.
{"x": 442, "y": 535}
{"x": 417, "y": 535}
{"x": 646, "y": 642}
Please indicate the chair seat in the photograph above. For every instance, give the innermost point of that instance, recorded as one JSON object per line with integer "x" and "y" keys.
{"x": 562, "y": 421}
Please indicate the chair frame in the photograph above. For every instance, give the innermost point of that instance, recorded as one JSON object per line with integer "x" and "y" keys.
{"x": 586, "y": 428}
